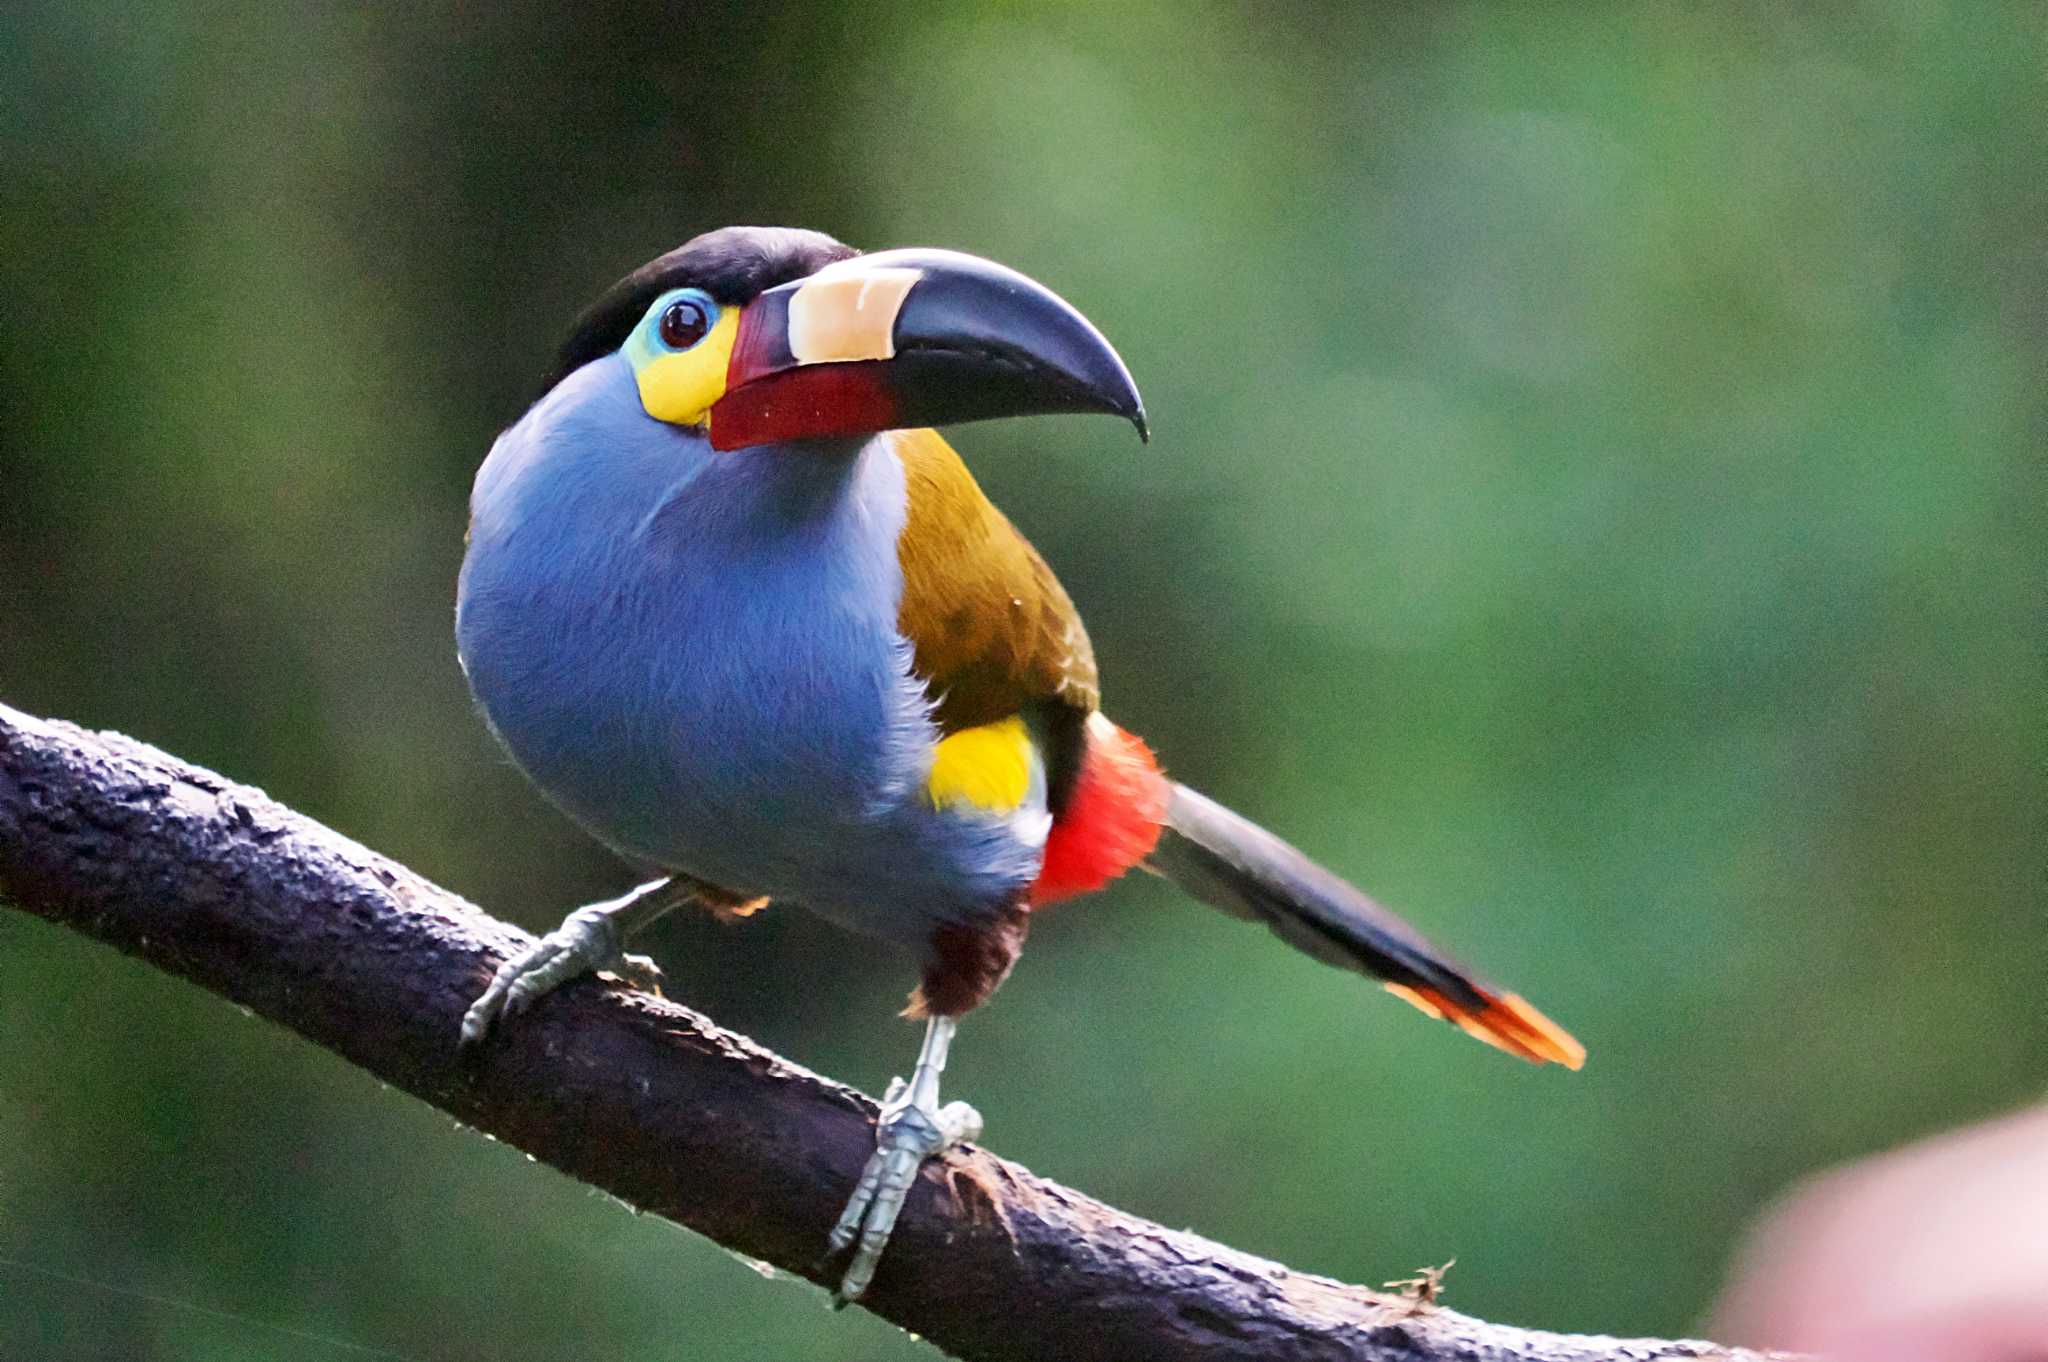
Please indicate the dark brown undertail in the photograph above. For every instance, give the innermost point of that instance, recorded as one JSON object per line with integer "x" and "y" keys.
{"x": 968, "y": 962}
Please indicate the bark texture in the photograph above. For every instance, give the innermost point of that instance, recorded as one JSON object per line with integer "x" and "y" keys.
{"x": 216, "y": 883}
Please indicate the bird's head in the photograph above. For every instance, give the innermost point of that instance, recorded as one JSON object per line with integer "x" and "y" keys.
{"x": 760, "y": 335}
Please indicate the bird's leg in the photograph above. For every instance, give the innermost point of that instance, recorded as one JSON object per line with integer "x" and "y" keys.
{"x": 911, "y": 1128}
{"x": 591, "y": 938}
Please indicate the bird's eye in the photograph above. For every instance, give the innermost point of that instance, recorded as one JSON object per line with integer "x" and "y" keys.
{"x": 683, "y": 323}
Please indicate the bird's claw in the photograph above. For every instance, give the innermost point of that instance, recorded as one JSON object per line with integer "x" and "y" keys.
{"x": 905, "y": 1136}
{"x": 638, "y": 970}
{"x": 588, "y": 940}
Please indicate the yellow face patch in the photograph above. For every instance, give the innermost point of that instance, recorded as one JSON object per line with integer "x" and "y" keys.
{"x": 986, "y": 768}
{"x": 679, "y": 388}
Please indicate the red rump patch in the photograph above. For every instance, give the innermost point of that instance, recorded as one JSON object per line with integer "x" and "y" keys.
{"x": 1112, "y": 819}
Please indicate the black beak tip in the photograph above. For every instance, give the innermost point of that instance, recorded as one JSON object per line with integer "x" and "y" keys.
{"x": 1114, "y": 394}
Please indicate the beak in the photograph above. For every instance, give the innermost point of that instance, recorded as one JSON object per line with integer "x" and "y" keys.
{"x": 912, "y": 338}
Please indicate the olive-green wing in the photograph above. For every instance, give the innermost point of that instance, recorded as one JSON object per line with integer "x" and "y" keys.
{"x": 995, "y": 634}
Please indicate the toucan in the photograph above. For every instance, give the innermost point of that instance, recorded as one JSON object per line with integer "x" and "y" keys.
{"x": 735, "y": 608}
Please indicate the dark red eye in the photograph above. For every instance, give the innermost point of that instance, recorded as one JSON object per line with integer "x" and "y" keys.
{"x": 683, "y": 324}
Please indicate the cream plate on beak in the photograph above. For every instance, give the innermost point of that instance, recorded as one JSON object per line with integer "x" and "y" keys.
{"x": 847, "y": 313}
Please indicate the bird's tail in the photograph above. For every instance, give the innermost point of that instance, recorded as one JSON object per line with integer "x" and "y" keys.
{"x": 1239, "y": 867}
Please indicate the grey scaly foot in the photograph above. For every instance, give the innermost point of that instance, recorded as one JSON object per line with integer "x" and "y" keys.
{"x": 911, "y": 1128}
{"x": 589, "y": 939}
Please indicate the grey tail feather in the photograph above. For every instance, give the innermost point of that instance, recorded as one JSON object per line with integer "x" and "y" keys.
{"x": 1233, "y": 864}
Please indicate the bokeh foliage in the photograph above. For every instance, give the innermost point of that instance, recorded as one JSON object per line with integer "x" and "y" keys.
{"x": 1596, "y": 502}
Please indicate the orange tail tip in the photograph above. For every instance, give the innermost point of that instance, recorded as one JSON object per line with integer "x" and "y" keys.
{"x": 1505, "y": 1022}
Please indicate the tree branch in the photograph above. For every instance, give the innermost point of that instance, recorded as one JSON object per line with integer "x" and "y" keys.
{"x": 651, "y": 1102}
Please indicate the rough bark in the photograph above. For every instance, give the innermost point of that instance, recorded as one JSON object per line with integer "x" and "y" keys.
{"x": 644, "y": 1098}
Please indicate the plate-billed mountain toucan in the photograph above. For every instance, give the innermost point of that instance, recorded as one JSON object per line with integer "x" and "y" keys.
{"x": 737, "y": 611}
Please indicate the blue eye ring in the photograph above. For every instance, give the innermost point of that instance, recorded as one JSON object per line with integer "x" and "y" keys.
{"x": 683, "y": 319}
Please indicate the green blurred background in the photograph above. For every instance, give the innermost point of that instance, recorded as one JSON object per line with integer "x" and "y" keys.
{"x": 1596, "y": 503}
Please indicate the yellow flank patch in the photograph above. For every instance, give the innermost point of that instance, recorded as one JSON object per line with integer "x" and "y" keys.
{"x": 987, "y": 768}
{"x": 680, "y": 388}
